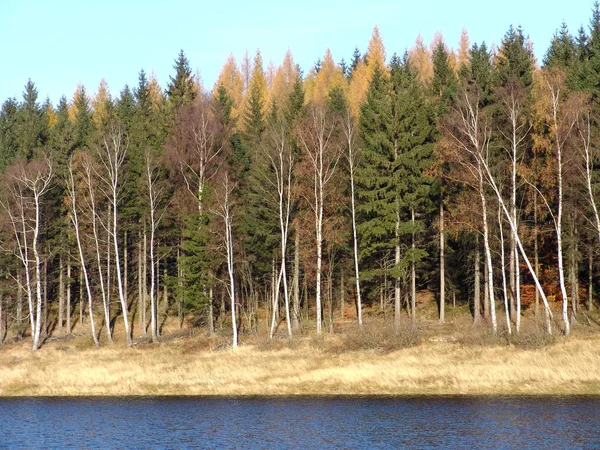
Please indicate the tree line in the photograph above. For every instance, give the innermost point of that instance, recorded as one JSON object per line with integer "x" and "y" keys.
{"x": 471, "y": 174}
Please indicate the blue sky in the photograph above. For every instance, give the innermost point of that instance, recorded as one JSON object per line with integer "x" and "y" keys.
{"x": 61, "y": 43}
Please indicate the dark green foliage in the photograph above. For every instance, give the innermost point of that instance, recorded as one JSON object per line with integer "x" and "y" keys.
{"x": 563, "y": 49}
{"x": 196, "y": 263}
{"x": 515, "y": 61}
{"x": 8, "y": 132}
{"x": 83, "y": 127}
{"x": 443, "y": 84}
{"x": 356, "y": 58}
{"x": 181, "y": 90}
{"x": 31, "y": 125}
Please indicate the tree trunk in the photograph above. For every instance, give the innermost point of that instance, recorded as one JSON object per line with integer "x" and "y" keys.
{"x": 296, "y": 282}
{"x": 69, "y": 282}
{"x": 442, "y": 267}
{"x": 413, "y": 274}
{"x": 19, "y": 305}
{"x": 503, "y": 267}
{"x": 140, "y": 287}
{"x": 61, "y": 292}
{"x": 342, "y": 295}
{"x": 590, "y": 304}
{"x": 477, "y": 288}
{"x": 145, "y": 281}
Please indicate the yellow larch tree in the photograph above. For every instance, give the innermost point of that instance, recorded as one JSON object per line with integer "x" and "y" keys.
{"x": 101, "y": 104}
{"x": 420, "y": 59}
{"x": 363, "y": 73}
{"x": 375, "y": 52}
{"x": 73, "y": 103}
{"x": 330, "y": 76}
{"x": 257, "y": 92}
{"x": 358, "y": 87}
{"x": 231, "y": 79}
{"x": 463, "y": 56}
{"x": 283, "y": 80}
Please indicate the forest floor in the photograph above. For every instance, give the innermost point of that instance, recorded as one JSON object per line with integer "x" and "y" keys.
{"x": 457, "y": 358}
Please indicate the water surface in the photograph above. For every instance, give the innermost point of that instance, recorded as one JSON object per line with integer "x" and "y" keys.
{"x": 281, "y": 423}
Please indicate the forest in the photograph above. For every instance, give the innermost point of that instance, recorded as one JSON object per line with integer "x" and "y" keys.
{"x": 281, "y": 199}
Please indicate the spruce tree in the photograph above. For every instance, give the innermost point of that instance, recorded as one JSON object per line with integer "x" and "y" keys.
{"x": 181, "y": 90}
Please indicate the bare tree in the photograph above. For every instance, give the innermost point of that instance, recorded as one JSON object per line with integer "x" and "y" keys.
{"x": 349, "y": 128}
{"x": 155, "y": 197}
{"x": 316, "y": 139}
{"x": 112, "y": 157}
{"x": 27, "y": 184}
{"x": 280, "y": 157}
{"x": 74, "y": 216}
{"x": 224, "y": 210}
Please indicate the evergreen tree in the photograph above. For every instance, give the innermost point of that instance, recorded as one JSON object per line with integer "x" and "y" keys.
{"x": 443, "y": 84}
{"x": 83, "y": 126}
{"x": 8, "y": 132}
{"x": 356, "y": 59}
{"x": 181, "y": 90}
{"x": 376, "y": 191}
{"x": 31, "y": 127}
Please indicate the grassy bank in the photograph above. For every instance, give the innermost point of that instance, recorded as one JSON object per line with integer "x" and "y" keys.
{"x": 455, "y": 359}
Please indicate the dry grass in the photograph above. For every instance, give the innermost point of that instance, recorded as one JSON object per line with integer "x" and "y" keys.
{"x": 377, "y": 361}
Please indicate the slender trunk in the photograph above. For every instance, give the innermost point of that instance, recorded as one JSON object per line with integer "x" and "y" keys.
{"x": 144, "y": 281}
{"x": 477, "y": 288}
{"x": 61, "y": 292}
{"x": 342, "y": 295}
{"x": 442, "y": 267}
{"x": 503, "y": 267}
{"x": 126, "y": 269}
{"x": 80, "y": 297}
{"x": 591, "y": 278}
{"x": 140, "y": 288}
{"x": 19, "y": 305}
{"x": 38, "y": 276}
{"x": 488, "y": 253}
{"x": 69, "y": 282}
{"x": 275, "y": 285}
{"x": 180, "y": 293}
{"x": 355, "y": 244}
{"x": 413, "y": 275}
{"x": 229, "y": 245}
{"x": 45, "y": 295}
{"x": 153, "y": 306}
{"x": 536, "y": 252}
{"x": 211, "y": 314}
{"x": 573, "y": 270}
{"x": 513, "y": 227}
{"x": 397, "y": 293}
{"x": 296, "y": 282}
{"x": 561, "y": 270}
{"x": 83, "y": 272}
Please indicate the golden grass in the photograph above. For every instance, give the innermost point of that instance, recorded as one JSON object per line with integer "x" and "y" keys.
{"x": 439, "y": 364}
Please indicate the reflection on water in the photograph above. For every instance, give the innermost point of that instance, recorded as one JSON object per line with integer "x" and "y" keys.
{"x": 420, "y": 423}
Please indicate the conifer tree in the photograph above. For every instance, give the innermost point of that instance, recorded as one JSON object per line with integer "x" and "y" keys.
{"x": 181, "y": 90}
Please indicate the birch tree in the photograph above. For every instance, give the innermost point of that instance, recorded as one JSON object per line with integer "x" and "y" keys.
{"x": 112, "y": 156}
{"x": 74, "y": 216}
{"x": 27, "y": 184}
{"x": 316, "y": 138}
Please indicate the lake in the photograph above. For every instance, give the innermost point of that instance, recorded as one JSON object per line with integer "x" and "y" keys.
{"x": 419, "y": 422}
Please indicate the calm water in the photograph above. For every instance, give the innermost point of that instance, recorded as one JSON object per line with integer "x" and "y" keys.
{"x": 422, "y": 423}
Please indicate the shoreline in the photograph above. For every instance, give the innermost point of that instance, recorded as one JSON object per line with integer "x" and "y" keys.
{"x": 186, "y": 368}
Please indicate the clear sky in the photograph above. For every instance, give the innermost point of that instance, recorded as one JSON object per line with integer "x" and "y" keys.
{"x": 61, "y": 43}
